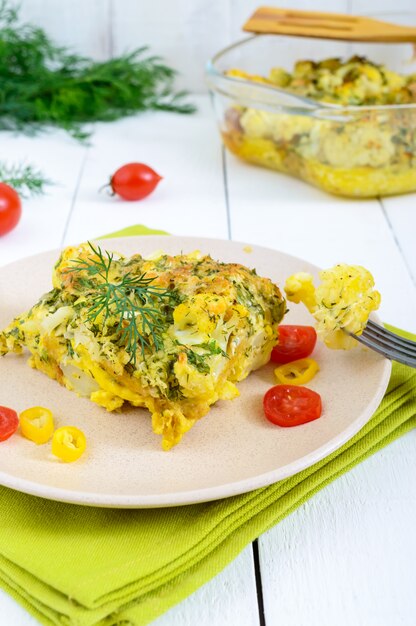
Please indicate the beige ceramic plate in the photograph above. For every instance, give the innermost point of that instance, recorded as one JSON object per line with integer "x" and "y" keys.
{"x": 232, "y": 450}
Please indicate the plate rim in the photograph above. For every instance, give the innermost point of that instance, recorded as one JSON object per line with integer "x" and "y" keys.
{"x": 206, "y": 494}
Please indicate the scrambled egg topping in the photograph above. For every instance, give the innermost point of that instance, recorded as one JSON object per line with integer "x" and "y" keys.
{"x": 196, "y": 328}
{"x": 370, "y": 152}
{"x": 342, "y": 302}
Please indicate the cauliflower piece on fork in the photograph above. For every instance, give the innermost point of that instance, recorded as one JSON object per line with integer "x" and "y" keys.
{"x": 342, "y": 302}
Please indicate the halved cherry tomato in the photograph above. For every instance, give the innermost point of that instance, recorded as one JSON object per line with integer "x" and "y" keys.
{"x": 9, "y": 422}
{"x": 37, "y": 424}
{"x": 290, "y": 405}
{"x": 68, "y": 443}
{"x": 296, "y": 372}
{"x": 295, "y": 342}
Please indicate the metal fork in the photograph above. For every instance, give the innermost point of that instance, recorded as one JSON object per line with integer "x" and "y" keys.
{"x": 388, "y": 344}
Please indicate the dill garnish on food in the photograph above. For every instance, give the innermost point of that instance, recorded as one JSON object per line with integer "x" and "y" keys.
{"x": 127, "y": 307}
{"x": 46, "y": 84}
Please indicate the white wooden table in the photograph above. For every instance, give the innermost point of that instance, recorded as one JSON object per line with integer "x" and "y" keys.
{"x": 348, "y": 555}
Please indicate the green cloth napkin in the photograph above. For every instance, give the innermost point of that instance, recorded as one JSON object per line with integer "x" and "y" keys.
{"x": 80, "y": 566}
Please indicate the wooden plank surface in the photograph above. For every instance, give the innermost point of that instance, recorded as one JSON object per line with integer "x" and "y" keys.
{"x": 186, "y": 34}
{"x": 347, "y": 556}
{"x": 400, "y": 213}
{"x": 44, "y": 219}
{"x": 85, "y": 27}
{"x": 227, "y": 600}
{"x": 184, "y": 150}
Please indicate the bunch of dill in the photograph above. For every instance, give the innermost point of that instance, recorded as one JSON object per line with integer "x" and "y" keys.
{"x": 44, "y": 84}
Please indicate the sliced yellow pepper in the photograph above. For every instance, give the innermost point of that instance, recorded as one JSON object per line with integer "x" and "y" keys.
{"x": 297, "y": 372}
{"x": 68, "y": 443}
{"x": 37, "y": 424}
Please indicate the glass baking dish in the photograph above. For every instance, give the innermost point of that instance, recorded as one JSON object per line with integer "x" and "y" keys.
{"x": 354, "y": 151}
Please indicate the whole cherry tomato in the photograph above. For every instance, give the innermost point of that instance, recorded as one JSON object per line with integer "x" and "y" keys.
{"x": 10, "y": 208}
{"x": 134, "y": 181}
{"x": 295, "y": 342}
{"x": 291, "y": 405}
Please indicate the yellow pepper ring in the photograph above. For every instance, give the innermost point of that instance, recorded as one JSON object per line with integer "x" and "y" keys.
{"x": 37, "y": 424}
{"x": 297, "y": 372}
{"x": 68, "y": 443}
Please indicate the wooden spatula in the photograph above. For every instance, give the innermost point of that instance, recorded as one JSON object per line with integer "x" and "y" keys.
{"x": 326, "y": 25}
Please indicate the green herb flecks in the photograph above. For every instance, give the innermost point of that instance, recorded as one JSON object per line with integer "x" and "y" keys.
{"x": 132, "y": 301}
{"x": 45, "y": 84}
{"x": 212, "y": 348}
{"x": 199, "y": 359}
{"x": 24, "y": 178}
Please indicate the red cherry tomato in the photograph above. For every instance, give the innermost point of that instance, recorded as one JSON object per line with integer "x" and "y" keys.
{"x": 291, "y": 405}
{"x": 295, "y": 342}
{"x": 10, "y": 208}
{"x": 9, "y": 422}
{"x": 134, "y": 181}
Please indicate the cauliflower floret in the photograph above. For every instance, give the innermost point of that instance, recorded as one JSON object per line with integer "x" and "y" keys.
{"x": 359, "y": 146}
{"x": 300, "y": 288}
{"x": 277, "y": 126}
{"x": 196, "y": 320}
{"x": 342, "y": 302}
{"x": 256, "y": 123}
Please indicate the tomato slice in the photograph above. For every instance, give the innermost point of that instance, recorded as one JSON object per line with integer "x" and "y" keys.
{"x": 291, "y": 405}
{"x": 9, "y": 422}
{"x": 295, "y": 342}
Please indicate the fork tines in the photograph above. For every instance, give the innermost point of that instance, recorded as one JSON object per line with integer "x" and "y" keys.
{"x": 388, "y": 344}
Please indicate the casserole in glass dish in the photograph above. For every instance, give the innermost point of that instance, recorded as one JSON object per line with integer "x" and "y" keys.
{"x": 339, "y": 115}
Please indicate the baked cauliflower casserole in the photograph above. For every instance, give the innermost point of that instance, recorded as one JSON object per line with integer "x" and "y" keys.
{"x": 171, "y": 333}
{"x": 364, "y": 147}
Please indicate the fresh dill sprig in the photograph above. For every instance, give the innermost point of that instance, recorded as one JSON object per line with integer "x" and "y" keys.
{"x": 132, "y": 300}
{"x": 24, "y": 178}
{"x": 45, "y": 84}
